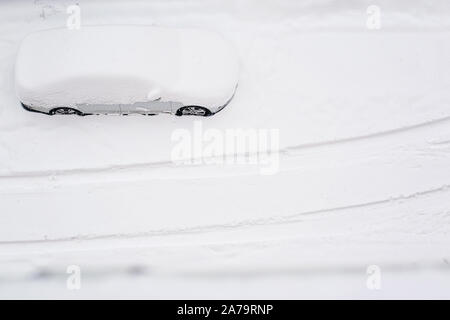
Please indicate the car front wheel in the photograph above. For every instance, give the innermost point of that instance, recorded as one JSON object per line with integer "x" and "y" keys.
{"x": 193, "y": 111}
{"x": 65, "y": 111}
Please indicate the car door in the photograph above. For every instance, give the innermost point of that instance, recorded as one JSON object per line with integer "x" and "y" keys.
{"x": 147, "y": 107}
{"x": 99, "y": 108}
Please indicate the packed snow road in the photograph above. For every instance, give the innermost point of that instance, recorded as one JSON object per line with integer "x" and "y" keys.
{"x": 361, "y": 172}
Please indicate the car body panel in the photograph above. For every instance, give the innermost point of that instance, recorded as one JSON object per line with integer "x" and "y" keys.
{"x": 149, "y": 107}
{"x": 98, "y": 108}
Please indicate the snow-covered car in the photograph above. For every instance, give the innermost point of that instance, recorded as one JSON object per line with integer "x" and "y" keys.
{"x": 125, "y": 70}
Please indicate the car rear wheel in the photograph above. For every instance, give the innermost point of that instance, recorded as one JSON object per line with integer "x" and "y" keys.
{"x": 64, "y": 111}
{"x": 193, "y": 111}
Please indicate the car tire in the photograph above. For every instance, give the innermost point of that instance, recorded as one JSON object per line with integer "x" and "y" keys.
{"x": 193, "y": 111}
{"x": 65, "y": 111}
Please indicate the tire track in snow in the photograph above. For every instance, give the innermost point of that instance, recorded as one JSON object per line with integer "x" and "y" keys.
{"x": 249, "y": 223}
{"x": 287, "y": 151}
{"x": 370, "y": 136}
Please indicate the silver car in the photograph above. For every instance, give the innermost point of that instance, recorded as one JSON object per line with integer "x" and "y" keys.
{"x": 126, "y": 70}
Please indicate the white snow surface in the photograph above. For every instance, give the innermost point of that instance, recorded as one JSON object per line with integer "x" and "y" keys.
{"x": 364, "y": 159}
{"x": 122, "y": 64}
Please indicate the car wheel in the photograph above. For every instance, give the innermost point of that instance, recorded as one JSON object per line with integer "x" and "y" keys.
{"x": 193, "y": 111}
{"x": 65, "y": 111}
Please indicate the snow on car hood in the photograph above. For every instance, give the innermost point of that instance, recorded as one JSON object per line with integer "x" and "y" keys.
{"x": 123, "y": 64}
{"x": 209, "y": 70}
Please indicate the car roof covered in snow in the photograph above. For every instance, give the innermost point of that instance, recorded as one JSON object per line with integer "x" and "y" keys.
{"x": 92, "y": 60}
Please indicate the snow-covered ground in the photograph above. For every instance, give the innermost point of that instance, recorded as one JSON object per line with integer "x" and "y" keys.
{"x": 363, "y": 163}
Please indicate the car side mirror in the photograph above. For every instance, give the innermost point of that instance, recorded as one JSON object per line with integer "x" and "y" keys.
{"x": 154, "y": 95}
